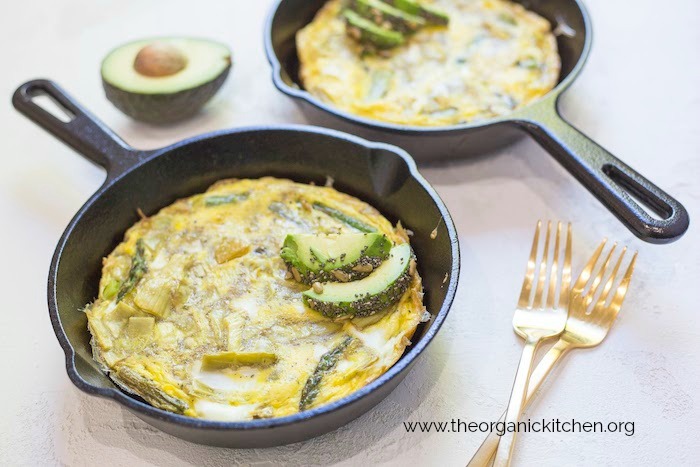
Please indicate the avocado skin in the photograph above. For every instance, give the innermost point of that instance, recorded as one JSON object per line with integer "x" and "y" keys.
{"x": 363, "y": 306}
{"x": 164, "y": 108}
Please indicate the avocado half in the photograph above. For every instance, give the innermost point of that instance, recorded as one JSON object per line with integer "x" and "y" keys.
{"x": 166, "y": 79}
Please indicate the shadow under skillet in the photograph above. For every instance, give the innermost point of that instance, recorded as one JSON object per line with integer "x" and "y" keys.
{"x": 507, "y": 192}
{"x": 523, "y": 159}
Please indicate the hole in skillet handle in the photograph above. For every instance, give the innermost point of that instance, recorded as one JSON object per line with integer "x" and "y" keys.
{"x": 53, "y": 109}
{"x": 51, "y": 106}
{"x": 652, "y": 205}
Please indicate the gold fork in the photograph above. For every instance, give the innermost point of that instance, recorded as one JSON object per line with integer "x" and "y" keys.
{"x": 538, "y": 317}
{"x": 583, "y": 330}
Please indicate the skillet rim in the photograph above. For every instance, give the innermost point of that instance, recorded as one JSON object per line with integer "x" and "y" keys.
{"x": 378, "y": 125}
{"x": 406, "y": 360}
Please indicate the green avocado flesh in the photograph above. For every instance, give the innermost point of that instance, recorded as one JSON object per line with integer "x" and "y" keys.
{"x": 321, "y": 258}
{"x": 412, "y": 7}
{"x": 383, "y": 13}
{"x": 370, "y": 34}
{"x": 383, "y": 287}
{"x": 174, "y": 96}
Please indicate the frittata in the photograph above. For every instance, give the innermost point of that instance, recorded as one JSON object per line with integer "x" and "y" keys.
{"x": 493, "y": 57}
{"x": 198, "y": 313}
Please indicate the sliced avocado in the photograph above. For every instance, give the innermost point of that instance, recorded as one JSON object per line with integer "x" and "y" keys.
{"x": 431, "y": 15}
{"x": 323, "y": 258}
{"x": 386, "y": 15}
{"x": 383, "y": 287}
{"x": 342, "y": 217}
{"x": 369, "y": 34}
{"x": 165, "y": 79}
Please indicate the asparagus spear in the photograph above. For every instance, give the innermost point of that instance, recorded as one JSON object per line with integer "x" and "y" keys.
{"x": 217, "y": 200}
{"x": 344, "y": 218}
{"x": 327, "y": 362}
{"x": 138, "y": 269}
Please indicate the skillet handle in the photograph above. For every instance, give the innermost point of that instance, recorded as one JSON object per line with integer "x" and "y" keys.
{"x": 615, "y": 184}
{"x": 79, "y": 129}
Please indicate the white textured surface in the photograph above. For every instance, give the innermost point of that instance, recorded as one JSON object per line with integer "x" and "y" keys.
{"x": 638, "y": 96}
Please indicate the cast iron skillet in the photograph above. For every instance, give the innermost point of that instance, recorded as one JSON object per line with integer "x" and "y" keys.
{"x": 383, "y": 175}
{"x": 609, "y": 179}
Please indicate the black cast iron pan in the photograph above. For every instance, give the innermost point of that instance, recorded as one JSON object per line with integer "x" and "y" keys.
{"x": 382, "y": 175}
{"x": 619, "y": 187}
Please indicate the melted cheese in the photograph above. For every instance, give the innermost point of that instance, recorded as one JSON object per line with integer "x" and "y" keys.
{"x": 495, "y": 56}
{"x": 239, "y": 307}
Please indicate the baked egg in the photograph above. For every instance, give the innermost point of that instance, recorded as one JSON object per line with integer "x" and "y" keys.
{"x": 199, "y": 314}
{"x": 494, "y": 56}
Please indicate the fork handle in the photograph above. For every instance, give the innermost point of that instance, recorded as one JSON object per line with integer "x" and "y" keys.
{"x": 484, "y": 454}
{"x": 516, "y": 403}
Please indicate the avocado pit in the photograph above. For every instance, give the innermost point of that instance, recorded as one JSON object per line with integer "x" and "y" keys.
{"x": 160, "y": 59}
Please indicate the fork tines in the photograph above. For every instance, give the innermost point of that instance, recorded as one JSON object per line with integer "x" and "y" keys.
{"x": 592, "y": 290}
{"x": 559, "y": 274}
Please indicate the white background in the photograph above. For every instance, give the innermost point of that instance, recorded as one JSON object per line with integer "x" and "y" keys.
{"x": 639, "y": 96}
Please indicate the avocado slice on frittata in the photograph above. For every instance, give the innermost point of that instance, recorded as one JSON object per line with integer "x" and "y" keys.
{"x": 412, "y": 7}
{"x": 382, "y": 288}
{"x": 387, "y": 16}
{"x": 370, "y": 34}
{"x": 336, "y": 258}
